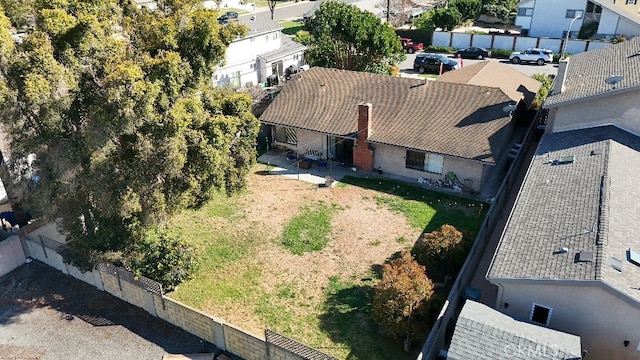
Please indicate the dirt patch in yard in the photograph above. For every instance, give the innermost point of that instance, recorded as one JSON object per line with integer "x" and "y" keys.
{"x": 363, "y": 235}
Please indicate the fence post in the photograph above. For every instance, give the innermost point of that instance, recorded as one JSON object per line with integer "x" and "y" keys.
{"x": 43, "y": 247}
{"x": 118, "y": 277}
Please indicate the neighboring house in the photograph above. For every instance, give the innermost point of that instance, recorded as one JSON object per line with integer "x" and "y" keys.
{"x": 263, "y": 52}
{"x": 483, "y": 333}
{"x": 569, "y": 256}
{"x": 401, "y": 11}
{"x": 521, "y": 88}
{"x": 408, "y": 127}
{"x": 551, "y": 18}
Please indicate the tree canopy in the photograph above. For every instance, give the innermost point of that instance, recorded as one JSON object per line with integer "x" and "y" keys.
{"x": 404, "y": 288}
{"x": 112, "y": 123}
{"x": 344, "y": 37}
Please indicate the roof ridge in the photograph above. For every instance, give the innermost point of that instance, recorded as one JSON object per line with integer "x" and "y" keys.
{"x": 603, "y": 216}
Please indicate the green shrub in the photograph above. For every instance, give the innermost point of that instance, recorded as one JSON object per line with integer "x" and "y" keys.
{"x": 547, "y": 81}
{"x": 167, "y": 261}
{"x": 440, "y": 49}
{"x": 587, "y": 30}
{"x": 500, "y": 53}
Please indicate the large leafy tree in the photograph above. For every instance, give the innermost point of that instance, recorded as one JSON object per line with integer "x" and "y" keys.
{"x": 403, "y": 289}
{"x": 469, "y": 9}
{"x": 108, "y": 108}
{"x": 344, "y": 37}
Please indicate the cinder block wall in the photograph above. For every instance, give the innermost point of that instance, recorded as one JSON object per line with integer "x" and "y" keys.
{"x": 244, "y": 344}
{"x": 11, "y": 255}
{"x": 214, "y": 330}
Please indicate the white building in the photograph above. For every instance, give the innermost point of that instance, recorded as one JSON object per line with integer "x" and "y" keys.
{"x": 552, "y": 18}
{"x": 264, "y": 51}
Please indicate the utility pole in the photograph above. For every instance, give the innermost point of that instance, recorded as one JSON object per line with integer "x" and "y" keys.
{"x": 388, "y": 9}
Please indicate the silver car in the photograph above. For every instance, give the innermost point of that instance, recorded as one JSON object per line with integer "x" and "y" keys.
{"x": 532, "y": 55}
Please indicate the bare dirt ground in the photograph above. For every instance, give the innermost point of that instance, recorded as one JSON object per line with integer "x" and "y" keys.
{"x": 363, "y": 236}
{"x": 45, "y": 314}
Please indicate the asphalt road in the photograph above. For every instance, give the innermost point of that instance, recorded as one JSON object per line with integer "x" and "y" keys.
{"x": 291, "y": 10}
{"x": 406, "y": 67}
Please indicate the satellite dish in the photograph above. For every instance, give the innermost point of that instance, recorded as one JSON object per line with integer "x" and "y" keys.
{"x": 509, "y": 108}
{"x": 613, "y": 80}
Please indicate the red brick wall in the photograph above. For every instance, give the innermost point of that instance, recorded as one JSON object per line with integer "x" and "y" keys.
{"x": 362, "y": 154}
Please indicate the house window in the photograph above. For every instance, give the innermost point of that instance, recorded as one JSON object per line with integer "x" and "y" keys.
{"x": 285, "y": 135}
{"x": 540, "y": 314}
{"x": 252, "y": 39}
{"x": 573, "y": 13}
{"x": 275, "y": 36}
{"x": 631, "y": 2}
{"x": 432, "y": 163}
{"x": 235, "y": 80}
{"x": 252, "y": 66}
{"x": 525, "y": 12}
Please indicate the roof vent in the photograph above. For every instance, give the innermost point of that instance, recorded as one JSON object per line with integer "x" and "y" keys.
{"x": 633, "y": 257}
{"x": 566, "y": 160}
{"x": 564, "y": 250}
{"x": 616, "y": 264}
{"x": 584, "y": 256}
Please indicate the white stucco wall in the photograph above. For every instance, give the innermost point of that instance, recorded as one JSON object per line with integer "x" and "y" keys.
{"x": 242, "y": 50}
{"x": 602, "y": 320}
{"x": 549, "y": 19}
{"x": 242, "y": 57}
{"x": 308, "y": 140}
{"x": 622, "y": 110}
{"x": 608, "y": 23}
{"x": 626, "y": 27}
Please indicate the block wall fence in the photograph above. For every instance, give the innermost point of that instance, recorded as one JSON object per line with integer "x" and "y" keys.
{"x": 147, "y": 294}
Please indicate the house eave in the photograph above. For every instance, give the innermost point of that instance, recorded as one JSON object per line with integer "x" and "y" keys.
{"x": 592, "y": 97}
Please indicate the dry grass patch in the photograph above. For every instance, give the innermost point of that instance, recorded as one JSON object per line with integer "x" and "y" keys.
{"x": 249, "y": 278}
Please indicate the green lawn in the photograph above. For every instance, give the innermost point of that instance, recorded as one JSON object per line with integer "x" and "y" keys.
{"x": 291, "y": 27}
{"x": 332, "y": 311}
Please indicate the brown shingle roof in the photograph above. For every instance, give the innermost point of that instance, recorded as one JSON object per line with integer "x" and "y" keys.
{"x": 460, "y": 120}
{"x": 491, "y": 73}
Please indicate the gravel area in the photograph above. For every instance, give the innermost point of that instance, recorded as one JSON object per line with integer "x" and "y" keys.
{"x": 45, "y": 314}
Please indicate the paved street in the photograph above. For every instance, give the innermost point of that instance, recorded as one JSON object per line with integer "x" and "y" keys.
{"x": 291, "y": 10}
{"x": 406, "y": 67}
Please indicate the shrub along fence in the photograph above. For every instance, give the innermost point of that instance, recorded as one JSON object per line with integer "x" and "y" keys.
{"x": 147, "y": 294}
{"x": 445, "y": 323}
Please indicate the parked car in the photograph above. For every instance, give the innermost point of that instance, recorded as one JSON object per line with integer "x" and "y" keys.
{"x": 434, "y": 63}
{"x": 533, "y": 55}
{"x": 473, "y": 53}
{"x": 410, "y": 46}
{"x": 229, "y": 15}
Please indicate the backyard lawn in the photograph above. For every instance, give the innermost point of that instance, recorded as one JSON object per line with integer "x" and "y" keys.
{"x": 291, "y": 27}
{"x": 302, "y": 260}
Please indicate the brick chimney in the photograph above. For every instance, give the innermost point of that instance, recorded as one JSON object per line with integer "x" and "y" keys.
{"x": 362, "y": 154}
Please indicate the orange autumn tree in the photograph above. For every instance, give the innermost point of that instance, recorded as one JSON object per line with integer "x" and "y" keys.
{"x": 404, "y": 288}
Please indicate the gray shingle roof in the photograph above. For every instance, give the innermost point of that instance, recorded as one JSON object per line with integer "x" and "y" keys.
{"x": 262, "y": 24}
{"x": 492, "y": 73}
{"x": 586, "y": 73}
{"x": 589, "y": 205}
{"x": 287, "y": 47}
{"x": 483, "y": 333}
{"x": 460, "y": 120}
